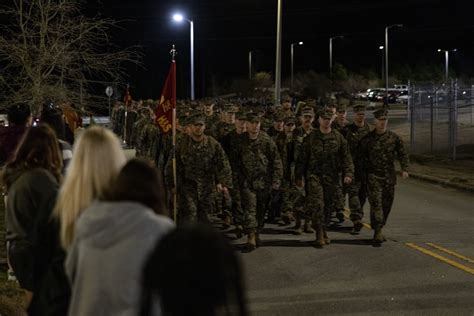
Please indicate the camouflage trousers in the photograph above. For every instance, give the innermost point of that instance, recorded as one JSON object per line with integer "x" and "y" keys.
{"x": 297, "y": 201}
{"x": 195, "y": 203}
{"x": 381, "y": 194}
{"x": 321, "y": 197}
{"x": 236, "y": 208}
{"x": 254, "y": 206}
{"x": 357, "y": 192}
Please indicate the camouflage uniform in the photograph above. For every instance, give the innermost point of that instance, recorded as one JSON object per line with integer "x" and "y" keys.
{"x": 379, "y": 153}
{"x": 212, "y": 125}
{"x": 357, "y": 189}
{"x": 200, "y": 166}
{"x": 260, "y": 167}
{"x": 321, "y": 160}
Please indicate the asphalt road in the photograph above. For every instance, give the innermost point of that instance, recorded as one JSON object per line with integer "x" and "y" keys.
{"x": 426, "y": 267}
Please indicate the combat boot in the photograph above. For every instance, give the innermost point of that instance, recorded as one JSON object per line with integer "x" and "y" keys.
{"x": 378, "y": 238}
{"x": 226, "y": 222}
{"x": 251, "y": 241}
{"x": 327, "y": 241}
{"x": 307, "y": 227}
{"x": 239, "y": 231}
{"x": 319, "y": 236}
{"x": 340, "y": 217}
{"x": 357, "y": 227}
{"x": 298, "y": 228}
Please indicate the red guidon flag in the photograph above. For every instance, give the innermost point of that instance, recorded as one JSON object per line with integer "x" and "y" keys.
{"x": 127, "y": 99}
{"x": 164, "y": 111}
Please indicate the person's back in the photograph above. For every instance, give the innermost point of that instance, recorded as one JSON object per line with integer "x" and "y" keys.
{"x": 19, "y": 119}
{"x": 112, "y": 241}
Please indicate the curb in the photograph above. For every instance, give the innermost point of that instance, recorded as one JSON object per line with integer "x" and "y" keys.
{"x": 440, "y": 181}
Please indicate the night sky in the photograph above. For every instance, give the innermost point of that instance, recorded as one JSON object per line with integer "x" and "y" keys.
{"x": 225, "y": 31}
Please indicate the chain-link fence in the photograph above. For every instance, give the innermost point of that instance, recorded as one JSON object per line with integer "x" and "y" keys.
{"x": 441, "y": 119}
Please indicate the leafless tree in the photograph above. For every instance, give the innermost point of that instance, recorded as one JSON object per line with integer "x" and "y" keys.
{"x": 49, "y": 50}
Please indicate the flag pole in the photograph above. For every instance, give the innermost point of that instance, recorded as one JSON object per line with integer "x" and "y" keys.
{"x": 175, "y": 192}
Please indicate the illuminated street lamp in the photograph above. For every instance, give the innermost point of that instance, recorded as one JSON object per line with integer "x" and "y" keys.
{"x": 179, "y": 18}
{"x": 292, "y": 59}
{"x": 446, "y": 54}
{"x": 381, "y": 48}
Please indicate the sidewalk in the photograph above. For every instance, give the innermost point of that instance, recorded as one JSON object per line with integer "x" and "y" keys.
{"x": 458, "y": 174}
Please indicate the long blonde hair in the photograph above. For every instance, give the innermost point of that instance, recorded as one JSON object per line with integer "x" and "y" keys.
{"x": 97, "y": 159}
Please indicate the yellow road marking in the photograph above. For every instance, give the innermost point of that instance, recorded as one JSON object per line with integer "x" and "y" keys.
{"x": 452, "y": 253}
{"x": 441, "y": 258}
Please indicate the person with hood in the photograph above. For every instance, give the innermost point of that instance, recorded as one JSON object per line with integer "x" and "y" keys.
{"x": 112, "y": 242}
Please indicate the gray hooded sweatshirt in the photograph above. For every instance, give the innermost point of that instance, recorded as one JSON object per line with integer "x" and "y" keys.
{"x": 105, "y": 261}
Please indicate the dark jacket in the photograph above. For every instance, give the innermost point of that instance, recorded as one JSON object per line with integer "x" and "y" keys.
{"x": 10, "y": 136}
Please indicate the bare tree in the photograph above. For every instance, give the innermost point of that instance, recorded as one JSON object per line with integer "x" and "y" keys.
{"x": 50, "y": 50}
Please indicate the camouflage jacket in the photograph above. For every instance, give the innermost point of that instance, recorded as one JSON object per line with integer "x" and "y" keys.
{"x": 259, "y": 162}
{"x": 212, "y": 126}
{"x": 324, "y": 154}
{"x": 203, "y": 163}
{"x": 224, "y": 129}
{"x": 281, "y": 141}
{"x": 354, "y": 135}
{"x": 380, "y": 151}
{"x": 299, "y": 134}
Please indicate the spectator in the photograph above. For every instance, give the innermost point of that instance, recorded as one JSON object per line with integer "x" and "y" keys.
{"x": 19, "y": 119}
{"x": 53, "y": 116}
{"x": 32, "y": 178}
{"x": 95, "y": 164}
{"x": 113, "y": 239}
{"x": 194, "y": 271}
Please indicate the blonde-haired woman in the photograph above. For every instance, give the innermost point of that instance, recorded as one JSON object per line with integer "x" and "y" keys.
{"x": 97, "y": 160}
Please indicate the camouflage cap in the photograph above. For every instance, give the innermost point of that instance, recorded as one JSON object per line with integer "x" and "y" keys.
{"x": 359, "y": 108}
{"x": 307, "y": 111}
{"x": 183, "y": 120}
{"x": 290, "y": 119}
{"x": 253, "y": 117}
{"x": 278, "y": 117}
{"x": 241, "y": 115}
{"x": 341, "y": 108}
{"x": 196, "y": 118}
{"x": 326, "y": 114}
{"x": 380, "y": 113}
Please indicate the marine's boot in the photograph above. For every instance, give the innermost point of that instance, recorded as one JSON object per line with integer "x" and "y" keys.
{"x": 239, "y": 231}
{"x": 378, "y": 238}
{"x": 226, "y": 222}
{"x": 307, "y": 227}
{"x": 357, "y": 227}
{"x": 327, "y": 241}
{"x": 319, "y": 236}
{"x": 251, "y": 241}
{"x": 298, "y": 228}
{"x": 340, "y": 216}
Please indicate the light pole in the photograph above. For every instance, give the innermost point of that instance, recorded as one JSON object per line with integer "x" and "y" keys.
{"x": 250, "y": 65}
{"x": 386, "y": 58}
{"x": 278, "y": 55}
{"x": 381, "y": 48}
{"x": 179, "y": 18}
{"x": 446, "y": 67}
{"x": 330, "y": 52}
{"x": 292, "y": 60}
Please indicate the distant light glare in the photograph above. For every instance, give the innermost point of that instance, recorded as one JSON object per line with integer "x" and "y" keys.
{"x": 178, "y": 17}
{"x": 439, "y": 49}
{"x": 380, "y": 47}
{"x": 300, "y": 43}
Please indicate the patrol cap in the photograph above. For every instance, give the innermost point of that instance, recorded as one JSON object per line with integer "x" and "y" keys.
{"x": 278, "y": 117}
{"x": 240, "y": 115}
{"x": 326, "y": 114}
{"x": 183, "y": 120}
{"x": 358, "y": 108}
{"x": 331, "y": 105}
{"x": 285, "y": 98}
{"x": 341, "y": 108}
{"x": 290, "y": 119}
{"x": 307, "y": 111}
{"x": 380, "y": 113}
{"x": 196, "y": 118}
{"x": 253, "y": 117}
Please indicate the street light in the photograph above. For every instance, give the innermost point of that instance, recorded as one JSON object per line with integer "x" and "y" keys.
{"x": 278, "y": 53}
{"x": 330, "y": 52}
{"x": 386, "y": 58}
{"x": 381, "y": 48}
{"x": 446, "y": 54}
{"x": 179, "y": 18}
{"x": 292, "y": 59}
